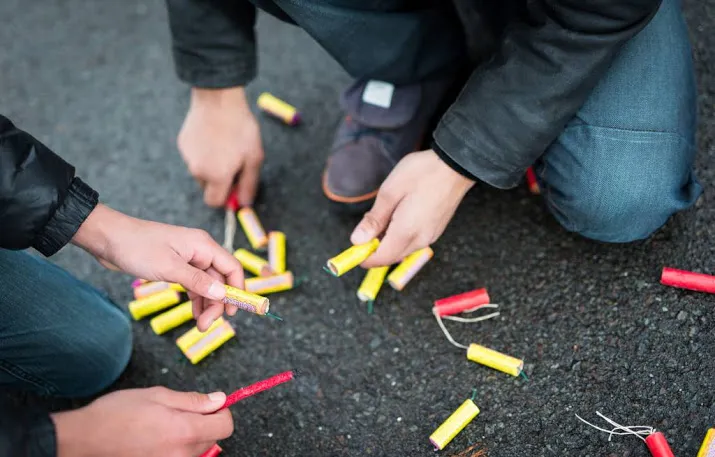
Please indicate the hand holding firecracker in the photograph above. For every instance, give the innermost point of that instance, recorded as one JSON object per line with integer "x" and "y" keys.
{"x": 144, "y": 422}
{"x": 161, "y": 252}
{"x": 412, "y": 207}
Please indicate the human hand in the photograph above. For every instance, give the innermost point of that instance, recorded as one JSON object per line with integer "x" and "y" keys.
{"x": 153, "y": 421}
{"x": 412, "y": 207}
{"x": 161, "y": 252}
{"x": 221, "y": 139}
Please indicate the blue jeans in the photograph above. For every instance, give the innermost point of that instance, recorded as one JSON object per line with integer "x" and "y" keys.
{"x": 58, "y": 335}
{"x": 624, "y": 164}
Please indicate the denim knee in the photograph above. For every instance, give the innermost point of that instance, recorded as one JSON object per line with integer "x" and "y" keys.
{"x": 617, "y": 185}
{"x": 100, "y": 351}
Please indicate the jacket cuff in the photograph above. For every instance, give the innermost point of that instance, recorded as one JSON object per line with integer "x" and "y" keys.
{"x": 64, "y": 223}
{"x": 475, "y": 161}
{"x": 451, "y": 163}
{"x": 230, "y": 75}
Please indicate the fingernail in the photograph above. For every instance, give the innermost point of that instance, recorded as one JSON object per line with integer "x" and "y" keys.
{"x": 360, "y": 236}
{"x": 217, "y": 291}
{"x": 216, "y": 397}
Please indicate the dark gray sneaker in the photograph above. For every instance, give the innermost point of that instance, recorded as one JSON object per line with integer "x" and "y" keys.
{"x": 383, "y": 123}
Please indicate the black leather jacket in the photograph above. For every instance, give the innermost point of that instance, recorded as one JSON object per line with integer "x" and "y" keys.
{"x": 42, "y": 204}
{"x": 540, "y": 60}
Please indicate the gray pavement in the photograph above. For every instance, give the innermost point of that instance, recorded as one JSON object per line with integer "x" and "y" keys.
{"x": 95, "y": 81}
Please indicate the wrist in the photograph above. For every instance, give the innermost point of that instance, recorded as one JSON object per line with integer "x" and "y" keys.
{"x": 73, "y": 434}
{"x": 461, "y": 180}
{"x": 95, "y": 232}
{"x": 226, "y": 97}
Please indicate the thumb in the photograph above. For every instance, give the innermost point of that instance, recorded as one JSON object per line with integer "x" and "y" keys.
{"x": 199, "y": 282}
{"x": 375, "y": 221}
{"x": 192, "y": 402}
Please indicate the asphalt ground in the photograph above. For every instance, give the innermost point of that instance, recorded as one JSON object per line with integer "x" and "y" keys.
{"x": 95, "y": 81}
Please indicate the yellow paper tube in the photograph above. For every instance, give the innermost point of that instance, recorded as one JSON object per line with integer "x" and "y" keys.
{"x": 191, "y": 337}
{"x": 707, "y": 449}
{"x": 408, "y": 268}
{"x": 246, "y": 301}
{"x": 212, "y": 340}
{"x": 277, "y": 252}
{"x": 352, "y": 257}
{"x": 278, "y": 108}
{"x": 253, "y": 263}
{"x": 156, "y": 302}
{"x": 372, "y": 283}
{"x": 252, "y": 228}
{"x": 150, "y": 288}
{"x": 454, "y": 424}
{"x": 270, "y": 284}
{"x": 172, "y": 318}
{"x": 494, "y": 359}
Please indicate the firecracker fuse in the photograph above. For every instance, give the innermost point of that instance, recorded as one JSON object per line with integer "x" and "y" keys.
{"x": 252, "y": 228}
{"x": 409, "y": 267}
{"x": 655, "y": 441}
{"x": 171, "y": 319}
{"x": 149, "y": 305}
{"x": 351, "y": 257}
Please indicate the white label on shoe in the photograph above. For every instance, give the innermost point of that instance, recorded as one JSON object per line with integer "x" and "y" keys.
{"x": 378, "y": 93}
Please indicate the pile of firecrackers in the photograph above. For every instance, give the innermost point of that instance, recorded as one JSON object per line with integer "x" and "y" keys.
{"x": 271, "y": 276}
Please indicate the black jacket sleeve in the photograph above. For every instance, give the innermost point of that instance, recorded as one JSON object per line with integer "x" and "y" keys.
{"x": 42, "y": 203}
{"x": 514, "y": 106}
{"x": 26, "y": 432}
{"x": 213, "y": 42}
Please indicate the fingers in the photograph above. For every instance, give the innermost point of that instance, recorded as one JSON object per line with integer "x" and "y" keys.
{"x": 212, "y": 427}
{"x": 211, "y": 309}
{"x": 217, "y": 191}
{"x": 393, "y": 248}
{"x": 192, "y": 402}
{"x": 248, "y": 181}
{"x": 197, "y": 281}
{"x": 197, "y": 305}
{"x": 227, "y": 265}
{"x": 401, "y": 238}
{"x": 376, "y": 220}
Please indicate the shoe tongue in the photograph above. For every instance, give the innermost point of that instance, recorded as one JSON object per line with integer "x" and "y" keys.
{"x": 381, "y": 105}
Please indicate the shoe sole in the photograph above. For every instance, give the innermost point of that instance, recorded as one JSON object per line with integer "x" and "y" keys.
{"x": 348, "y": 205}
